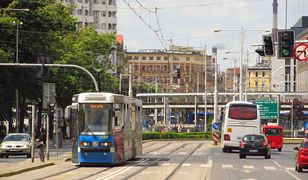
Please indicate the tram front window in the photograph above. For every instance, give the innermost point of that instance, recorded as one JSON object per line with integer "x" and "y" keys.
{"x": 96, "y": 117}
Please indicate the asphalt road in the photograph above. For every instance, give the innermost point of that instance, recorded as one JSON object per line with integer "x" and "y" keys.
{"x": 181, "y": 160}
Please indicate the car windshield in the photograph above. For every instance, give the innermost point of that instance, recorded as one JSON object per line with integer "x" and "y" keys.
{"x": 273, "y": 132}
{"x": 16, "y": 138}
{"x": 253, "y": 138}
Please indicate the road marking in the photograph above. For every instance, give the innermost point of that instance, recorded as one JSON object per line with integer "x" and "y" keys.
{"x": 287, "y": 171}
{"x": 248, "y": 167}
{"x": 147, "y": 172}
{"x": 290, "y": 168}
{"x": 165, "y": 164}
{"x": 186, "y": 164}
{"x": 295, "y": 177}
{"x": 269, "y": 168}
{"x": 182, "y": 153}
{"x": 181, "y": 172}
{"x": 227, "y": 166}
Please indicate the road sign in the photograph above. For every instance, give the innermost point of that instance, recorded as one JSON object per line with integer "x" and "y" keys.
{"x": 268, "y": 108}
{"x": 216, "y": 125}
{"x": 301, "y": 52}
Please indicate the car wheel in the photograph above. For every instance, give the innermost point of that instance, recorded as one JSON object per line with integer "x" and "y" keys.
{"x": 241, "y": 156}
{"x": 6, "y": 156}
{"x": 279, "y": 149}
{"x": 224, "y": 150}
{"x": 299, "y": 169}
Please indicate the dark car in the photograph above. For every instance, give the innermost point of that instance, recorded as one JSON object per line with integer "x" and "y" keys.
{"x": 255, "y": 145}
{"x": 301, "y": 158}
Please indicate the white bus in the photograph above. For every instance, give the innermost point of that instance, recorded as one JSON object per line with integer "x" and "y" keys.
{"x": 240, "y": 118}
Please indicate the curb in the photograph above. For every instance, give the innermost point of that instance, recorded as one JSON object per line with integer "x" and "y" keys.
{"x": 26, "y": 170}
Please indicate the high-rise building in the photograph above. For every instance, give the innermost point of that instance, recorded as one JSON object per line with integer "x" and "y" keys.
{"x": 101, "y": 14}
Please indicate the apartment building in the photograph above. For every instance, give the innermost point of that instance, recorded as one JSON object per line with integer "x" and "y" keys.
{"x": 160, "y": 66}
{"x": 258, "y": 79}
{"x": 101, "y": 14}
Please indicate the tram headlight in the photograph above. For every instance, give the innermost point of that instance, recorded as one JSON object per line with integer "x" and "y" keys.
{"x": 85, "y": 144}
{"x": 105, "y": 144}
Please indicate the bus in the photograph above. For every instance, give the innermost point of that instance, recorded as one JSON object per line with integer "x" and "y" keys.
{"x": 240, "y": 118}
{"x": 106, "y": 128}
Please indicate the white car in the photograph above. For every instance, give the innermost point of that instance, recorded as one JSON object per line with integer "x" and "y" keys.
{"x": 16, "y": 144}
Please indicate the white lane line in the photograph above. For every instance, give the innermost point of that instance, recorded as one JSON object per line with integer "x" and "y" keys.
{"x": 287, "y": 171}
{"x": 181, "y": 172}
{"x": 165, "y": 164}
{"x": 248, "y": 167}
{"x": 290, "y": 168}
{"x": 269, "y": 168}
{"x": 147, "y": 172}
{"x": 182, "y": 153}
{"x": 295, "y": 177}
{"x": 186, "y": 164}
{"x": 227, "y": 166}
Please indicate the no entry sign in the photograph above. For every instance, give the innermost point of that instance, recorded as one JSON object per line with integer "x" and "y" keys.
{"x": 301, "y": 52}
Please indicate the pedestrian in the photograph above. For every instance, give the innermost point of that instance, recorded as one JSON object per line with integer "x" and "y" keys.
{"x": 41, "y": 143}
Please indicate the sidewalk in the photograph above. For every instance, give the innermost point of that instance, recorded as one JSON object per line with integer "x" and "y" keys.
{"x": 11, "y": 168}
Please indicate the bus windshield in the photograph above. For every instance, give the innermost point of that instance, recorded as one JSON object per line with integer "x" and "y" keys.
{"x": 273, "y": 132}
{"x": 96, "y": 117}
{"x": 243, "y": 112}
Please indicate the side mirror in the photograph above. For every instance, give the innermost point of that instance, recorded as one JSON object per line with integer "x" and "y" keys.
{"x": 296, "y": 148}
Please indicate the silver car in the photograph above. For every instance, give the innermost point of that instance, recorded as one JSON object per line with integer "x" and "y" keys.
{"x": 16, "y": 144}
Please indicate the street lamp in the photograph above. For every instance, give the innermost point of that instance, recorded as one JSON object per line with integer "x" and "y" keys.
{"x": 241, "y": 53}
{"x": 16, "y": 91}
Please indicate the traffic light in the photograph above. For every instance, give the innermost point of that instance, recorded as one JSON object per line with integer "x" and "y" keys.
{"x": 178, "y": 73}
{"x": 51, "y": 108}
{"x": 260, "y": 51}
{"x": 268, "y": 45}
{"x": 285, "y": 43}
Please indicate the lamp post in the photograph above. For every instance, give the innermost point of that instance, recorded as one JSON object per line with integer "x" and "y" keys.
{"x": 16, "y": 90}
{"x": 241, "y": 31}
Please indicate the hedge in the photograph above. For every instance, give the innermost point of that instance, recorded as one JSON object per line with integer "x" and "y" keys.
{"x": 174, "y": 135}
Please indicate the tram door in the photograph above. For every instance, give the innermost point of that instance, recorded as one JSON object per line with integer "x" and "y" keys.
{"x": 72, "y": 114}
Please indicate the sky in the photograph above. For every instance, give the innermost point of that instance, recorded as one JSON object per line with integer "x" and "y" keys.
{"x": 155, "y": 24}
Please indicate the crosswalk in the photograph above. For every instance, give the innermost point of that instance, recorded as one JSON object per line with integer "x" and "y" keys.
{"x": 251, "y": 167}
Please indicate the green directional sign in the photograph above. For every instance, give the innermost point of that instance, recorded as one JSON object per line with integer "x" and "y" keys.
{"x": 268, "y": 108}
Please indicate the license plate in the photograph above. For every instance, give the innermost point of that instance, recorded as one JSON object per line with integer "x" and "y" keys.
{"x": 253, "y": 150}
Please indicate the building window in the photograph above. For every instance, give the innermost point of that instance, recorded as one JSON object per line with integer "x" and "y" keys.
{"x": 143, "y": 68}
{"x": 110, "y": 2}
{"x": 86, "y": 12}
{"x": 103, "y": 1}
{"x": 103, "y": 26}
{"x": 136, "y": 57}
{"x": 109, "y": 26}
{"x": 86, "y": 1}
{"x": 249, "y": 74}
{"x": 79, "y": 11}
{"x": 158, "y": 58}
{"x": 144, "y": 58}
{"x": 257, "y": 74}
{"x": 80, "y": 1}
{"x": 114, "y": 26}
{"x": 175, "y": 58}
{"x": 103, "y": 13}
{"x": 263, "y": 74}
{"x": 129, "y": 57}
{"x": 157, "y": 67}
{"x": 151, "y": 58}
{"x": 165, "y": 68}
{"x": 109, "y": 14}
{"x": 95, "y": 1}
{"x": 256, "y": 85}
{"x": 187, "y": 58}
{"x": 136, "y": 67}
{"x": 166, "y": 58}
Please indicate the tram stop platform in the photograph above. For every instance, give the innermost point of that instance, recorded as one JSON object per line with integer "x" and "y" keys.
{"x": 20, "y": 164}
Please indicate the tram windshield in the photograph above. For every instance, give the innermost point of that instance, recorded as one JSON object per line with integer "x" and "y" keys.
{"x": 95, "y": 117}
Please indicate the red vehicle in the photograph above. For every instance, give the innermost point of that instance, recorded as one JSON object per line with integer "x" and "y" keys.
{"x": 274, "y": 135}
{"x": 302, "y": 156}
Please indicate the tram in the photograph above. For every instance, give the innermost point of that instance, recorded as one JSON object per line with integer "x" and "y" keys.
{"x": 106, "y": 128}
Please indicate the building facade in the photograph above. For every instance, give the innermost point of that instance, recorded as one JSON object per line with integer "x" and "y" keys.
{"x": 258, "y": 79}
{"x": 101, "y": 14}
{"x": 160, "y": 67}
{"x": 302, "y": 69}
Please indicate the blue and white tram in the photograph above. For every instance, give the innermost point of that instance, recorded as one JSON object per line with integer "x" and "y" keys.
{"x": 106, "y": 128}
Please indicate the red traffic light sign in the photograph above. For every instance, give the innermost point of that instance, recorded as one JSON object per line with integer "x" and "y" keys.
{"x": 301, "y": 52}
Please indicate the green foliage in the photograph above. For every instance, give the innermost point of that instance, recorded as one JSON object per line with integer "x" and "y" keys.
{"x": 174, "y": 135}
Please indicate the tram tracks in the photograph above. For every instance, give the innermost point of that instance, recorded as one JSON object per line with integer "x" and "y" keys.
{"x": 153, "y": 162}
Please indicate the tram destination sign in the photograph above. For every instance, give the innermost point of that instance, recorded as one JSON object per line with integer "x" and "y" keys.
{"x": 268, "y": 108}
